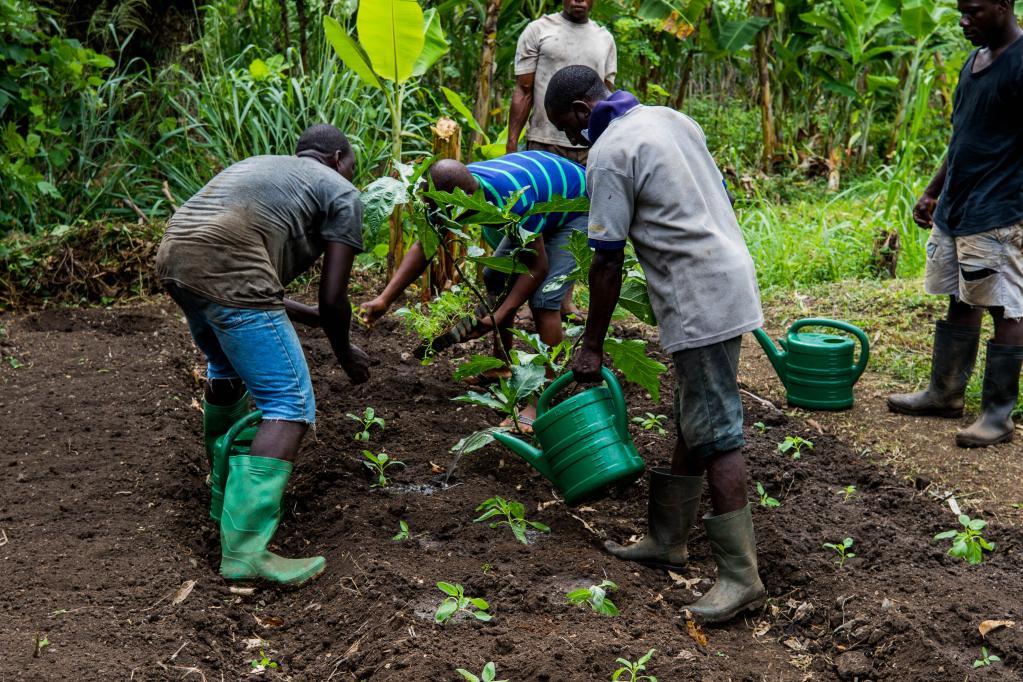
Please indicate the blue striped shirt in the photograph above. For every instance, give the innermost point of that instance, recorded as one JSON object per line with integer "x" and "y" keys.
{"x": 544, "y": 175}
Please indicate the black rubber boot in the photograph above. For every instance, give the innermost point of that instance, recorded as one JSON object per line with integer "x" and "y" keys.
{"x": 1001, "y": 389}
{"x": 952, "y": 362}
{"x": 674, "y": 503}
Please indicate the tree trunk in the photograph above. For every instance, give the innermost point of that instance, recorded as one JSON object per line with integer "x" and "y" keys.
{"x": 485, "y": 76}
{"x": 835, "y": 167}
{"x": 680, "y": 94}
{"x": 764, "y": 79}
{"x": 302, "y": 44}
{"x": 447, "y": 144}
{"x": 885, "y": 255}
{"x": 284, "y": 25}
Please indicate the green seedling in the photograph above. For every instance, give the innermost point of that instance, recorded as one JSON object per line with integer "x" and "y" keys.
{"x": 842, "y": 548}
{"x": 765, "y": 499}
{"x": 263, "y": 663}
{"x": 985, "y": 659}
{"x": 847, "y": 491}
{"x": 968, "y": 543}
{"x": 403, "y": 533}
{"x": 793, "y": 445}
{"x": 633, "y": 669}
{"x": 488, "y": 674}
{"x": 651, "y": 422}
{"x": 486, "y": 567}
{"x": 514, "y": 517}
{"x": 595, "y": 596}
{"x": 760, "y": 426}
{"x": 14, "y": 362}
{"x": 456, "y": 602}
{"x": 379, "y": 464}
{"x": 367, "y": 420}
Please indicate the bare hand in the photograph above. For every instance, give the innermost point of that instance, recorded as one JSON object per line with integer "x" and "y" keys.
{"x": 923, "y": 212}
{"x": 586, "y": 365}
{"x": 355, "y": 365}
{"x": 371, "y": 311}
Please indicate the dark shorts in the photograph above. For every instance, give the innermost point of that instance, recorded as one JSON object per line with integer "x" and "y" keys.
{"x": 708, "y": 410}
{"x": 577, "y": 154}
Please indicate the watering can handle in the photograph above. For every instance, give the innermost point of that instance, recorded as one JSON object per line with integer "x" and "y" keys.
{"x": 613, "y": 386}
{"x": 245, "y": 422}
{"x": 861, "y": 363}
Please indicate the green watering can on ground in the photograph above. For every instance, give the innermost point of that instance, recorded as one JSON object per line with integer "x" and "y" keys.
{"x": 817, "y": 369}
{"x": 584, "y": 441}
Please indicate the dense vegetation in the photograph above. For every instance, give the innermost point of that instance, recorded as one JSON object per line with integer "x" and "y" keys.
{"x": 826, "y": 117}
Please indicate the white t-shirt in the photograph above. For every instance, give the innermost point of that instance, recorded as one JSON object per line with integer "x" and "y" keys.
{"x": 651, "y": 179}
{"x": 550, "y": 43}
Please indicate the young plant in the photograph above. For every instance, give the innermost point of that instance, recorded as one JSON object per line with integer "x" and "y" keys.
{"x": 506, "y": 396}
{"x": 985, "y": 659}
{"x": 367, "y": 420}
{"x": 842, "y": 548}
{"x": 760, "y": 426}
{"x": 794, "y": 445}
{"x": 633, "y": 669}
{"x": 403, "y": 533}
{"x": 765, "y": 499}
{"x": 379, "y": 464}
{"x": 848, "y": 491}
{"x": 488, "y": 674}
{"x": 264, "y": 662}
{"x": 514, "y": 517}
{"x": 595, "y": 596}
{"x": 456, "y": 602}
{"x": 651, "y": 422}
{"x": 968, "y": 544}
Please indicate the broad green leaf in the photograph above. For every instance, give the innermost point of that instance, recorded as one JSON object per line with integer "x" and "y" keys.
{"x": 378, "y": 202}
{"x": 505, "y": 264}
{"x": 917, "y": 19}
{"x": 481, "y": 399}
{"x": 479, "y": 603}
{"x": 881, "y": 82}
{"x": 391, "y": 33}
{"x": 259, "y": 70}
{"x": 448, "y": 588}
{"x": 948, "y": 534}
{"x": 630, "y": 357}
{"x": 579, "y": 246}
{"x": 428, "y": 237}
{"x": 738, "y": 34}
{"x": 482, "y": 615}
{"x": 876, "y": 12}
{"x": 636, "y": 299}
{"x": 559, "y": 204}
{"x": 445, "y": 611}
{"x": 455, "y": 100}
{"x": 977, "y": 524}
{"x": 526, "y": 380}
{"x": 435, "y": 43}
{"x": 467, "y": 675}
{"x": 350, "y": 52}
{"x": 821, "y": 21}
{"x": 485, "y": 213}
{"x": 477, "y": 364}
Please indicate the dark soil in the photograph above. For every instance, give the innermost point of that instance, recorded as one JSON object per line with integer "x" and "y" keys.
{"x": 104, "y": 511}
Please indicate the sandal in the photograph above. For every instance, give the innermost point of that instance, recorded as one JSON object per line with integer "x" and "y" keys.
{"x": 525, "y": 424}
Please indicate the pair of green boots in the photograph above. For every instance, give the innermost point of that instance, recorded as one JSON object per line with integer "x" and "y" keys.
{"x": 245, "y": 498}
{"x": 674, "y": 504}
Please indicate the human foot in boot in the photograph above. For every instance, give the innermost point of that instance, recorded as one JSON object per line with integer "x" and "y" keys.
{"x": 738, "y": 586}
{"x": 952, "y": 361}
{"x": 1001, "y": 390}
{"x": 674, "y": 503}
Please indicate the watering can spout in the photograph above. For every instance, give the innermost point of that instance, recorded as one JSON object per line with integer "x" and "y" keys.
{"x": 777, "y": 357}
{"x": 532, "y": 455}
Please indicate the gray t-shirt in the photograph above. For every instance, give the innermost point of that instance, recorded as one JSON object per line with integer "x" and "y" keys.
{"x": 651, "y": 179}
{"x": 255, "y": 227}
{"x": 550, "y": 43}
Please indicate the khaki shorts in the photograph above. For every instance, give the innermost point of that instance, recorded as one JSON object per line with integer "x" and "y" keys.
{"x": 984, "y": 269}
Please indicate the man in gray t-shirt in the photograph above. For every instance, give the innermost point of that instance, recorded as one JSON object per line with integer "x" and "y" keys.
{"x": 652, "y": 181}
{"x": 228, "y": 253}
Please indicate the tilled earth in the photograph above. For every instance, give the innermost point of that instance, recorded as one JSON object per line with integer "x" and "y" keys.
{"x": 103, "y": 527}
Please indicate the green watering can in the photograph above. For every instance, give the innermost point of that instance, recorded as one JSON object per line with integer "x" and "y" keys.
{"x": 817, "y": 369}
{"x": 237, "y": 440}
{"x": 584, "y": 441}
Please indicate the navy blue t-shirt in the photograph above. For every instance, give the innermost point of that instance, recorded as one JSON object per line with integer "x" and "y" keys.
{"x": 984, "y": 186}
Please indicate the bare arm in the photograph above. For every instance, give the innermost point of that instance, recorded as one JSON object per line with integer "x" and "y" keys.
{"x": 526, "y": 283}
{"x": 335, "y": 312}
{"x": 521, "y": 105}
{"x": 412, "y": 266}
{"x": 923, "y": 212}
{"x": 605, "y": 288}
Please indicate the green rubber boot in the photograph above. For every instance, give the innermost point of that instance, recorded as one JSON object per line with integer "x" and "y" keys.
{"x": 217, "y": 419}
{"x": 738, "y": 586}
{"x": 252, "y": 511}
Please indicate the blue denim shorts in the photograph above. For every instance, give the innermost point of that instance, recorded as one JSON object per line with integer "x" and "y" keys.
{"x": 258, "y": 346}
{"x": 560, "y": 263}
{"x": 708, "y": 409}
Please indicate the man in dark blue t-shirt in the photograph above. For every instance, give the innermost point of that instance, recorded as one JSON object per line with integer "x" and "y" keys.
{"x": 975, "y": 256}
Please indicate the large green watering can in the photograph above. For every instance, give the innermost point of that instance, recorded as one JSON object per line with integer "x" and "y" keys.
{"x": 817, "y": 369}
{"x": 237, "y": 441}
{"x": 584, "y": 441}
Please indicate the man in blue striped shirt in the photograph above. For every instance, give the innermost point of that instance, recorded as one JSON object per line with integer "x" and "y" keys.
{"x": 543, "y": 176}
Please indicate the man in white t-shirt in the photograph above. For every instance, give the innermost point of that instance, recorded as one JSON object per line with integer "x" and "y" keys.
{"x": 551, "y": 42}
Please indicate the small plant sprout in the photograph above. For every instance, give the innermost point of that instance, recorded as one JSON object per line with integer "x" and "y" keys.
{"x": 456, "y": 602}
{"x": 765, "y": 499}
{"x": 379, "y": 464}
{"x": 514, "y": 517}
{"x": 633, "y": 669}
{"x": 403, "y": 533}
{"x": 651, "y": 422}
{"x": 264, "y": 662}
{"x": 848, "y": 491}
{"x": 488, "y": 674}
{"x": 368, "y": 419}
{"x": 842, "y": 548}
{"x": 968, "y": 544}
{"x": 793, "y": 445}
{"x": 760, "y": 426}
{"x": 985, "y": 659}
{"x": 595, "y": 596}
